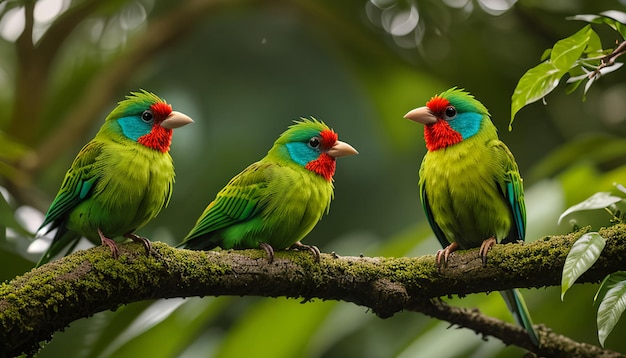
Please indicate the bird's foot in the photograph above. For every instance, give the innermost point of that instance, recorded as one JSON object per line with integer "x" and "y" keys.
{"x": 313, "y": 249}
{"x": 268, "y": 250}
{"x": 145, "y": 242}
{"x": 484, "y": 249}
{"x": 444, "y": 254}
{"x": 110, "y": 243}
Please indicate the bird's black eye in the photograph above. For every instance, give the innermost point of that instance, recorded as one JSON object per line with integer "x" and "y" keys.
{"x": 147, "y": 116}
{"x": 449, "y": 113}
{"x": 314, "y": 142}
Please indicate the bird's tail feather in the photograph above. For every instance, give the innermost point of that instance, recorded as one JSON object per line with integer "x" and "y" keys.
{"x": 517, "y": 306}
{"x": 64, "y": 239}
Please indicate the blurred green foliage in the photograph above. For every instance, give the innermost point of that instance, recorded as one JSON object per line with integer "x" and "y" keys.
{"x": 244, "y": 70}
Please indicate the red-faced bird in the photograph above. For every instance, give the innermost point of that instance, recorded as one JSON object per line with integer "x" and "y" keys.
{"x": 120, "y": 180}
{"x": 275, "y": 202}
{"x": 470, "y": 186}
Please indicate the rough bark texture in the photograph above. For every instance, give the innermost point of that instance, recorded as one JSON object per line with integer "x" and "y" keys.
{"x": 44, "y": 300}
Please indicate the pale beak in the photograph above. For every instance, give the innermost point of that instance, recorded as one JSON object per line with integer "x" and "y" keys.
{"x": 175, "y": 120}
{"x": 422, "y": 115}
{"x": 341, "y": 149}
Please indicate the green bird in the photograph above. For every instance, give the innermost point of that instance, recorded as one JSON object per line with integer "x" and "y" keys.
{"x": 119, "y": 181}
{"x": 275, "y": 202}
{"x": 470, "y": 186}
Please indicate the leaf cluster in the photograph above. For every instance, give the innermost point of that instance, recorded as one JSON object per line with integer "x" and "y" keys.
{"x": 611, "y": 295}
{"x": 581, "y": 56}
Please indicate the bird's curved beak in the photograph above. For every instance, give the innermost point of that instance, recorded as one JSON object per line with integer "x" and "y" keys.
{"x": 341, "y": 149}
{"x": 422, "y": 115}
{"x": 175, "y": 120}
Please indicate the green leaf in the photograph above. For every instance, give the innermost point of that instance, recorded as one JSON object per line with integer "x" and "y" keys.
{"x": 615, "y": 19}
{"x": 567, "y": 51}
{"x": 608, "y": 282}
{"x": 610, "y": 310}
{"x": 582, "y": 255}
{"x": 616, "y": 15}
{"x": 536, "y": 83}
{"x": 590, "y": 18}
{"x": 540, "y": 80}
{"x": 594, "y": 44}
{"x": 596, "y": 201}
{"x": 619, "y": 27}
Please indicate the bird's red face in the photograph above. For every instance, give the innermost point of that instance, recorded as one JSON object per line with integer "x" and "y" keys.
{"x": 164, "y": 120}
{"x": 159, "y": 138}
{"x": 435, "y": 116}
{"x": 329, "y": 148}
{"x": 325, "y": 164}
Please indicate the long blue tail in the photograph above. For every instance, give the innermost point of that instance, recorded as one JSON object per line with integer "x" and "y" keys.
{"x": 517, "y": 306}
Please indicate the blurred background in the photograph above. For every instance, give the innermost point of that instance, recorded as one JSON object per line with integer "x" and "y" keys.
{"x": 244, "y": 70}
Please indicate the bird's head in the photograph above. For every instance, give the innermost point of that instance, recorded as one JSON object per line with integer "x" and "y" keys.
{"x": 313, "y": 145}
{"x": 147, "y": 119}
{"x": 449, "y": 118}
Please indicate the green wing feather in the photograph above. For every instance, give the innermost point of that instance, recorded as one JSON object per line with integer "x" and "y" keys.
{"x": 76, "y": 187}
{"x": 237, "y": 202}
{"x": 512, "y": 189}
{"x": 429, "y": 216}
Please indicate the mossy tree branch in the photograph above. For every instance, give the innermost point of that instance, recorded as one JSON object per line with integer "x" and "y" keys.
{"x": 44, "y": 300}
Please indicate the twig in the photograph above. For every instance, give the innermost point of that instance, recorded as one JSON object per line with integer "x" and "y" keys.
{"x": 609, "y": 60}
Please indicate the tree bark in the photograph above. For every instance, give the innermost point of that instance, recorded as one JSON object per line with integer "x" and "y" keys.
{"x": 47, "y": 299}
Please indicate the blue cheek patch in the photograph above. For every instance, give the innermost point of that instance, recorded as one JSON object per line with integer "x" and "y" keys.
{"x": 133, "y": 127}
{"x": 301, "y": 153}
{"x": 467, "y": 123}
